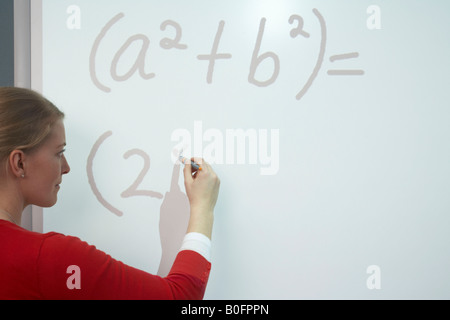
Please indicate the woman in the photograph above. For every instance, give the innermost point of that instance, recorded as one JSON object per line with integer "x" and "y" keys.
{"x": 35, "y": 266}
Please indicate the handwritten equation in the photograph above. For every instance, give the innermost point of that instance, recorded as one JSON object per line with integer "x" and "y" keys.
{"x": 214, "y": 56}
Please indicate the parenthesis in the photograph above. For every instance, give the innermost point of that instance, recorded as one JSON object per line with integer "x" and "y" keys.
{"x": 323, "y": 44}
{"x": 90, "y": 174}
{"x": 93, "y": 55}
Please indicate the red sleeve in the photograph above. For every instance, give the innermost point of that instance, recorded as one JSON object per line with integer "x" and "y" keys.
{"x": 102, "y": 277}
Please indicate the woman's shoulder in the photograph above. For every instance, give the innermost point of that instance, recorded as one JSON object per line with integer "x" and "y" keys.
{"x": 36, "y": 265}
{"x": 12, "y": 235}
{"x": 20, "y": 250}
{"x": 17, "y": 239}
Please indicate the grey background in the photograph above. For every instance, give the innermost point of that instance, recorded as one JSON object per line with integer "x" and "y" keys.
{"x": 7, "y": 43}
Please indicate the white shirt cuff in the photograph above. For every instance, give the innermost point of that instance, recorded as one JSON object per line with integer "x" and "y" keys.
{"x": 199, "y": 243}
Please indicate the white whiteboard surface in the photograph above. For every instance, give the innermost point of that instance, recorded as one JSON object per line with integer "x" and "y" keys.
{"x": 326, "y": 121}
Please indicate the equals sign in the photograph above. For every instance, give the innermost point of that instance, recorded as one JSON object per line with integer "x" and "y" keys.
{"x": 343, "y": 72}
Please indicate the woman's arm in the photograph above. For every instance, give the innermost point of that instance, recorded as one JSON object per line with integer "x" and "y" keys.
{"x": 102, "y": 277}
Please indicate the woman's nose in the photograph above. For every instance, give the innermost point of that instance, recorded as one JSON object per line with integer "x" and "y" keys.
{"x": 65, "y": 166}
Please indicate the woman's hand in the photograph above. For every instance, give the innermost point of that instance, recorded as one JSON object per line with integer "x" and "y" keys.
{"x": 202, "y": 189}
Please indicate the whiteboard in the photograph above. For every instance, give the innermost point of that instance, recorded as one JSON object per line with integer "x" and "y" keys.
{"x": 327, "y": 123}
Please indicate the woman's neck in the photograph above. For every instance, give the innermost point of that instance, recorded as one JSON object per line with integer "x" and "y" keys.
{"x": 5, "y": 215}
{"x": 12, "y": 203}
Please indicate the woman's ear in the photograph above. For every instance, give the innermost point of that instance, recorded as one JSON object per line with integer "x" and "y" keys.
{"x": 16, "y": 163}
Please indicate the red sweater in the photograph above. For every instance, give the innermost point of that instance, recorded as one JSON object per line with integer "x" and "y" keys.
{"x": 35, "y": 266}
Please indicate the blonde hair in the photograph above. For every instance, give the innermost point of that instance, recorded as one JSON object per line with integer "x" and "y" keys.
{"x": 26, "y": 119}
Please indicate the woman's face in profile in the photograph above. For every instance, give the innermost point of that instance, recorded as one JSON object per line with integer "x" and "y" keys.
{"x": 44, "y": 168}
